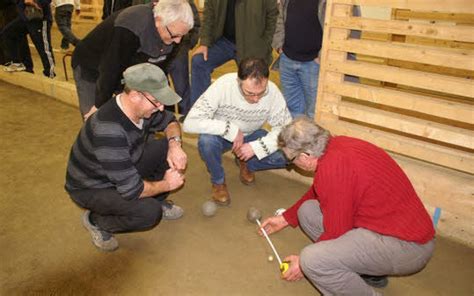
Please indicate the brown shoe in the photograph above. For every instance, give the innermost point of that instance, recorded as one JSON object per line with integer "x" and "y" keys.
{"x": 247, "y": 177}
{"x": 220, "y": 194}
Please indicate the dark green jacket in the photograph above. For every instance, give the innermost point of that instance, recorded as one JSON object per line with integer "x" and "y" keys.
{"x": 255, "y": 22}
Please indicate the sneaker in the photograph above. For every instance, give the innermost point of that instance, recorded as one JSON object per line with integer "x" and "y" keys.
{"x": 101, "y": 239}
{"x": 171, "y": 211}
{"x": 14, "y": 67}
{"x": 375, "y": 281}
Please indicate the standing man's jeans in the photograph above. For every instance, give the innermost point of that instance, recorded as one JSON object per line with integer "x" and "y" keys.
{"x": 334, "y": 266}
{"x": 212, "y": 147}
{"x": 63, "y": 16}
{"x": 299, "y": 82}
{"x": 179, "y": 72}
{"x": 114, "y": 214}
{"x": 219, "y": 53}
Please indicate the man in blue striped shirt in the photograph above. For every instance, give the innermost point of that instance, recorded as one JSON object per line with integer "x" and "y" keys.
{"x": 117, "y": 170}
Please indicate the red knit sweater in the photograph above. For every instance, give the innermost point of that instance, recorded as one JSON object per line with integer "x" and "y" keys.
{"x": 359, "y": 185}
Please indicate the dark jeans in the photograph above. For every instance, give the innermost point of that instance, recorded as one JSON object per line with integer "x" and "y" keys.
{"x": 179, "y": 72}
{"x": 112, "y": 213}
{"x": 63, "y": 15}
{"x": 14, "y": 35}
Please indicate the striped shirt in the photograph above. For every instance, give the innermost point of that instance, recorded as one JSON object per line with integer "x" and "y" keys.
{"x": 107, "y": 150}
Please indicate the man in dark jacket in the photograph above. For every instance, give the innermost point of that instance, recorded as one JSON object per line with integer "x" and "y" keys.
{"x": 235, "y": 30}
{"x": 141, "y": 33}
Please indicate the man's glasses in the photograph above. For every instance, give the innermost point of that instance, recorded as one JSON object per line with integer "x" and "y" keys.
{"x": 149, "y": 100}
{"x": 251, "y": 95}
{"x": 171, "y": 34}
{"x": 291, "y": 160}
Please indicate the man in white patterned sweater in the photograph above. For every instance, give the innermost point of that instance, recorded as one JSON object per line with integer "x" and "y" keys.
{"x": 230, "y": 115}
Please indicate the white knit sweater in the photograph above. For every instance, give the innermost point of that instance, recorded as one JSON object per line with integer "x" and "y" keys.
{"x": 222, "y": 110}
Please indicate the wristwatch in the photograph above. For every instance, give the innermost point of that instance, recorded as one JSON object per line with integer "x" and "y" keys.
{"x": 176, "y": 139}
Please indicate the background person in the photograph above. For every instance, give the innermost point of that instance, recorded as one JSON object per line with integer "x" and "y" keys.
{"x": 298, "y": 39}
{"x": 63, "y": 16}
{"x": 231, "y": 30}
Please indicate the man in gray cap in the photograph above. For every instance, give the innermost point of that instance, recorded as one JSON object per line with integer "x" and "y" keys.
{"x": 117, "y": 170}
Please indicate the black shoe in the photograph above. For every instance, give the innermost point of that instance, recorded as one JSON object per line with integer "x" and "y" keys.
{"x": 375, "y": 281}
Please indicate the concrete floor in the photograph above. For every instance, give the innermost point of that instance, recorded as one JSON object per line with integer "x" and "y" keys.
{"x": 45, "y": 250}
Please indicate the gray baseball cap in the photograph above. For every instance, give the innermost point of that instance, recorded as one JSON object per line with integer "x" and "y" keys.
{"x": 149, "y": 78}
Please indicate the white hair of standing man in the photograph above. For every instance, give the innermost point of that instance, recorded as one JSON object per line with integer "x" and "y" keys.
{"x": 174, "y": 10}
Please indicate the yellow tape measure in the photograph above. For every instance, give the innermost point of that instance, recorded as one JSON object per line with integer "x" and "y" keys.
{"x": 284, "y": 267}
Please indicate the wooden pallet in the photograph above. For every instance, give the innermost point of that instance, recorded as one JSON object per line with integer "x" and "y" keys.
{"x": 410, "y": 89}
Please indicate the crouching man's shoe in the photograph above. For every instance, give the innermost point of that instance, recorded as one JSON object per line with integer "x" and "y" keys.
{"x": 103, "y": 240}
{"x": 171, "y": 211}
{"x": 247, "y": 177}
{"x": 220, "y": 194}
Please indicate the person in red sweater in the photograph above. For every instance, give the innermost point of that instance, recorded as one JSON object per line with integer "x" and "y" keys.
{"x": 361, "y": 211}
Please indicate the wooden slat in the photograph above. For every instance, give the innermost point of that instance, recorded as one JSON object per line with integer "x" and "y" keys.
{"x": 437, "y": 31}
{"x": 460, "y": 59}
{"x": 456, "y": 6}
{"x": 408, "y": 125}
{"x": 459, "y": 160}
{"x": 335, "y": 34}
{"x": 459, "y": 18}
{"x": 418, "y": 79}
{"x": 403, "y": 100}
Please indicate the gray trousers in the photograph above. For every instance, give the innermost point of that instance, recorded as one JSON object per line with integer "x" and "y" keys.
{"x": 334, "y": 266}
{"x": 85, "y": 91}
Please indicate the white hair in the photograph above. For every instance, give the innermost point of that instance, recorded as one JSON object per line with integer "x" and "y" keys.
{"x": 174, "y": 10}
{"x": 303, "y": 135}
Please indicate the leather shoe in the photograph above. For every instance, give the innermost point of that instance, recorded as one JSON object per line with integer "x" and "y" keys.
{"x": 247, "y": 177}
{"x": 220, "y": 194}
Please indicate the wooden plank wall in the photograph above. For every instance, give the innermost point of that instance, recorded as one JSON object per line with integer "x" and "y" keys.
{"x": 410, "y": 87}
{"x": 425, "y": 101}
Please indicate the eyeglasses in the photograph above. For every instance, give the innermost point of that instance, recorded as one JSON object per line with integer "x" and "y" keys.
{"x": 296, "y": 156}
{"x": 149, "y": 100}
{"x": 171, "y": 34}
{"x": 251, "y": 95}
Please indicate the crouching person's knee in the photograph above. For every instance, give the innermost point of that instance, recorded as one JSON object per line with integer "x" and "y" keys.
{"x": 315, "y": 264}
{"x": 148, "y": 215}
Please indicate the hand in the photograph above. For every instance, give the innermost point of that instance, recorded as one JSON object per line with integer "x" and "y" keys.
{"x": 273, "y": 224}
{"x": 245, "y": 152}
{"x": 294, "y": 272}
{"x": 317, "y": 60}
{"x": 91, "y": 111}
{"x": 202, "y": 49}
{"x": 32, "y": 3}
{"x": 238, "y": 141}
{"x": 174, "y": 179}
{"x": 177, "y": 158}
{"x": 279, "y": 50}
